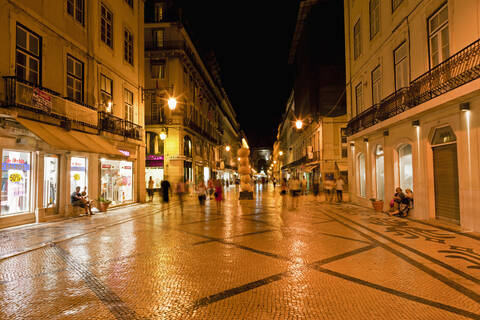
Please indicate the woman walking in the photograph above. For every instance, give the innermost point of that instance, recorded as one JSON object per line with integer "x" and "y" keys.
{"x": 218, "y": 194}
{"x": 202, "y": 193}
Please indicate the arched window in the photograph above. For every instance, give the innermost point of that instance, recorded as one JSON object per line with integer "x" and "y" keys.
{"x": 405, "y": 169}
{"x": 187, "y": 146}
{"x": 379, "y": 172}
{"x": 361, "y": 179}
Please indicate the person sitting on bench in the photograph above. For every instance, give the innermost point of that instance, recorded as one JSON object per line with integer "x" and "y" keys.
{"x": 80, "y": 201}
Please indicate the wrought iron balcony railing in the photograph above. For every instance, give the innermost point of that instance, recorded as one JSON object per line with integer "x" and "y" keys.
{"x": 452, "y": 73}
{"x": 111, "y": 123}
{"x": 165, "y": 45}
{"x": 133, "y": 130}
{"x": 26, "y": 95}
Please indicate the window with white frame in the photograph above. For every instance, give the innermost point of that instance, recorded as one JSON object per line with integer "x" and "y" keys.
{"x": 76, "y": 8}
{"x": 157, "y": 69}
{"x": 374, "y": 8}
{"x": 357, "y": 40}
{"x": 401, "y": 66}
{"x": 438, "y": 36}
{"x": 75, "y": 78}
{"x": 106, "y": 26}
{"x": 376, "y": 85}
{"x": 27, "y": 55}
{"x": 106, "y": 92}
{"x": 358, "y": 98}
{"x": 128, "y": 103}
{"x": 395, "y": 4}
{"x": 405, "y": 168}
{"x": 362, "y": 176}
{"x": 128, "y": 46}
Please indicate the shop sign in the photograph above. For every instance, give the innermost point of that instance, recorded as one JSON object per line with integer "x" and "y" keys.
{"x": 106, "y": 166}
{"x": 15, "y": 177}
{"x": 127, "y": 167}
{"x": 42, "y": 100}
{"x": 15, "y": 166}
{"x": 154, "y": 157}
{"x": 126, "y": 153}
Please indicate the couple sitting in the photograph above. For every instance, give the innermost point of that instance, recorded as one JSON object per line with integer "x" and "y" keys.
{"x": 401, "y": 203}
{"x": 80, "y": 199}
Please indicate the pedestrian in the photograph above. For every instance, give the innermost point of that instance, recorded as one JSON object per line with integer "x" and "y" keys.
{"x": 274, "y": 181}
{"x": 210, "y": 187}
{"x": 339, "y": 187}
{"x": 151, "y": 184}
{"x": 202, "y": 193}
{"x": 180, "y": 191}
{"x": 166, "y": 190}
{"x": 303, "y": 186}
{"x": 328, "y": 187}
{"x": 316, "y": 187}
{"x": 218, "y": 194}
{"x": 294, "y": 187}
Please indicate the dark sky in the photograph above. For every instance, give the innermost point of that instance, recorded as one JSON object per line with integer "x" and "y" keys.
{"x": 251, "y": 40}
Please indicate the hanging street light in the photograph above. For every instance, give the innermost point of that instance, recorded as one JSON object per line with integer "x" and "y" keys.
{"x": 299, "y": 124}
{"x": 172, "y": 103}
{"x": 163, "y": 135}
{"x": 227, "y": 148}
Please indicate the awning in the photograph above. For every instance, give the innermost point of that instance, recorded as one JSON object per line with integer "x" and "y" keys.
{"x": 69, "y": 140}
{"x": 310, "y": 167}
{"x": 342, "y": 167}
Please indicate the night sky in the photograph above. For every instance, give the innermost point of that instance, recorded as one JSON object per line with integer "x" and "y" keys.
{"x": 251, "y": 40}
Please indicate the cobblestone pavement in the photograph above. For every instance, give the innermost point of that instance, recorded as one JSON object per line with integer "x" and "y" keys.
{"x": 255, "y": 259}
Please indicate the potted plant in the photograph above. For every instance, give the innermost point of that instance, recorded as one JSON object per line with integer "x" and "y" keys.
{"x": 103, "y": 204}
{"x": 377, "y": 204}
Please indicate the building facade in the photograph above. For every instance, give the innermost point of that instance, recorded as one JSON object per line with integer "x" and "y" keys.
{"x": 71, "y": 109}
{"x": 413, "y": 96}
{"x": 317, "y": 151}
{"x": 199, "y": 138}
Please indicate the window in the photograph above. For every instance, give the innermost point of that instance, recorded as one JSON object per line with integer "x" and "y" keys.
{"x": 187, "y": 146}
{"x": 106, "y": 92}
{"x": 374, "y": 17}
{"x": 128, "y": 102}
{"x": 343, "y": 142}
{"x": 362, "y": 177}
{"x": 76, "y": 8}
{"x": 106, "y": 26}
{"x": 443, "y": 135}
{"x": 128, "y": 47}
{"x": 379, "y": 172}
{"x": 401, "y": 66}
{"x": 78, "y": 173}
{"x": 159, "y": 8}
{"x": 130, "y": 3}
{"x": 158, "y": 38}
{"x": 376, "y": 85}
{"x": 74, "y": 79}
{"x": 405, "y": 169}
{"x": 357, "y": 45}
{"x": 27, "y": 55}
{"x": 157, "y": 68}
{"x": 438, "y": 36}
{"x": 358, "y": 98}
{"x": 16, "y": 182}
{"x": 158, "y": 112}
{"x": 395, "y": 4}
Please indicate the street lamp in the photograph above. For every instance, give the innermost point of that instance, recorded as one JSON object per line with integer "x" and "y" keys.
{"x": 172, "y": 103}
{"x": 227, "y": 148}
{"x": 281, "y": 153}
{"x": 163, "y": 135}
{"x": 299, "y": 124}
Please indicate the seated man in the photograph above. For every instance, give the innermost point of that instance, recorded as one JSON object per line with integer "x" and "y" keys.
{"x": 79, "y": 201}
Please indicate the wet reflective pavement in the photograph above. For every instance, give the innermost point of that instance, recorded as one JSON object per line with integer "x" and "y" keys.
{"x": 255, "y": 259}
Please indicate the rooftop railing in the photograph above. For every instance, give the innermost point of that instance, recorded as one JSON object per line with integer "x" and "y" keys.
{"x": 452, "y": 73}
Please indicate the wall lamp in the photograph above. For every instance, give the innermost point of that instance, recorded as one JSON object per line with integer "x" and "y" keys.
{"x": 352, "y": 144}
{"x": 465, "y": 106}
{"x": 416, "y": 123}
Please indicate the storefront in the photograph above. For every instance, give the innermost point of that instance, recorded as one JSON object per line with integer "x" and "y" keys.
{"x": 50, "y": 183}
{"x": 154, "y": 168}
{"x": 116, "y": 181}
{"x": 16, "y": 182}
{"x": 78, "y": 173}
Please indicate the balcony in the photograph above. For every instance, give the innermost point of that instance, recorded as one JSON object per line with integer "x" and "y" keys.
{"x": 25, "y": 95}
{"x": 295, "y": 163}
{"x": 190, "y": 124}
{"x": 454, "y": 72}
{"x": 165, "y": 45}
{"x": 113, "y": 124}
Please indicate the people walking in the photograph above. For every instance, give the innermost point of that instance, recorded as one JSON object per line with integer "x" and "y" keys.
{"x": 274, "y": 181}
{"x": 328, "y": 187}
{"x": 294, "y": 187}
{"x": 210, "y": 187}
{"x": 316, "y": 187}
{"x": 218, "y": 194}
{"x": 339, "y": 188}
{"x": 150, "y": 189}
{"x": 180, "y": 191}
{"x": 202, "y": 193}
{"x": 166, "y": 190}
{"x": 303, "y": 186}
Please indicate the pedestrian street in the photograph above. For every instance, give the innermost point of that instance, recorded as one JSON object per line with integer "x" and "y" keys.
{"x": 253, "y": 259}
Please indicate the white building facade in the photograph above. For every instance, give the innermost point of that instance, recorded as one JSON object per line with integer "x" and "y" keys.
{"x": 413, "y": 102}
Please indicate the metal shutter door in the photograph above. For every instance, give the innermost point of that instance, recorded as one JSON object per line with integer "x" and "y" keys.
{"x": 447, "y": 205}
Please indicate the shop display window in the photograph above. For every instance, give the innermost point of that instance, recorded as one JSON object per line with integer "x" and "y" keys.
{"x": 117, "y": 181}
{"x": 50, "y": 182}
{"x": 16, "y": 182}
{"x": 78, "y": 173}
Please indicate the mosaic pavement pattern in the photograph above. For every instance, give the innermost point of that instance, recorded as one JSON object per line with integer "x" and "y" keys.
{"x": 257, "y": 259}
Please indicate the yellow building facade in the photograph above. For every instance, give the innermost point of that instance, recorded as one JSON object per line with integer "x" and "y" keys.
{"x": 71, "y": 105}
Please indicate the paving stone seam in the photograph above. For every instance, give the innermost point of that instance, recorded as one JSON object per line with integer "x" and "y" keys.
{"x": 110, "y": 299}
{"x": 452, "y": 284}
{"x": 236, "y": 236}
